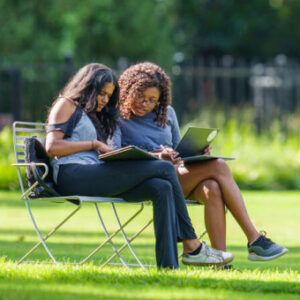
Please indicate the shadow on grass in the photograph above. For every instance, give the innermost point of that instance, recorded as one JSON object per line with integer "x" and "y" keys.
{"x": 75, "y": 252}
{"x": 21, "y": 234}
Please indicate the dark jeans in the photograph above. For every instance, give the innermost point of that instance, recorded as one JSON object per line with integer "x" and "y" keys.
{"x": 137, "y": 181}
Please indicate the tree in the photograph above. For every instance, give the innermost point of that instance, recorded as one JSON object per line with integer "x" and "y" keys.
{"x": 257, "y": 28}
{"x": 41, "y": 31}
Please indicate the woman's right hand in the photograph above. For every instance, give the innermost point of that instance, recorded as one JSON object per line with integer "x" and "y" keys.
{"x": 102, "y": 147}
{"x": 169, "y": 154}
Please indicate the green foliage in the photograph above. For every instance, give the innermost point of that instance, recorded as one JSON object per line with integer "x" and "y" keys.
{"x": 257, "y": 28}
{"x": 42, "y": 31}
{"x": 263, "y": 162}
{"x": 8, "y": 174}
{"x": 268, "y": 161}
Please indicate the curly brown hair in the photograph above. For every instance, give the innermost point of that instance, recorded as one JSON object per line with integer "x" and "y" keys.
{"x": 133, "y": 83}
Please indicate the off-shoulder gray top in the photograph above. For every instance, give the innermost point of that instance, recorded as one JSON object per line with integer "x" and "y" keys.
{"x": 78, "y": 128}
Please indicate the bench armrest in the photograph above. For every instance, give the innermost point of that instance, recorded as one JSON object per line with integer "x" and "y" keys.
{"x": 33, "y": 165}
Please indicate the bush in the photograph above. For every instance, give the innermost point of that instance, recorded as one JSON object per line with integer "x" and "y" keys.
{"x": 8, "y": 173}
{"x": 270, "y": 161}
{"x": 267, "y": 161}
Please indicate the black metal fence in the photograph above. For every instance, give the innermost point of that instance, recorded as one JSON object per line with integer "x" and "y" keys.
{"x": 271, "y": 89}
{"x": 27, "y": 91}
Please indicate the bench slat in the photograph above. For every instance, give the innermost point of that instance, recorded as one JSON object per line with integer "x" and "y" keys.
{"x": 23, "y": 137}
{"x": 20, "y": 145}
{"x": 31, "y": 130}
{"x": 18, "y": 123}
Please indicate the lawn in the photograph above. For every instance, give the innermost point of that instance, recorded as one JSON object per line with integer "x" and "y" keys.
{"x": 275, "y": 212}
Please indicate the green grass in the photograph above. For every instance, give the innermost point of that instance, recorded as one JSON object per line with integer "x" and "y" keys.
{"x": 275, "y": 212}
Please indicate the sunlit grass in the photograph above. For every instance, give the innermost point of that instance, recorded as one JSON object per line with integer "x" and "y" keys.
{"x": 275, "y": 212}
{"x": 136, "y": 283}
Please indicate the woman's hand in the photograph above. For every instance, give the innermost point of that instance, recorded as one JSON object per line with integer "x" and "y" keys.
{"x": 166, "y": 153}
{"x": 206, "y": 150}
{"x": 101, "y": 147}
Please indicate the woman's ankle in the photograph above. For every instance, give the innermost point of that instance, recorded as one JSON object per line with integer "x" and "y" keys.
{"x": 253, "y": 238}
{"x": 190, "y": 245}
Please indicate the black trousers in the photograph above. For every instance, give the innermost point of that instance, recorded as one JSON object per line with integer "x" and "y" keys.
{"x": 136, "y": 181}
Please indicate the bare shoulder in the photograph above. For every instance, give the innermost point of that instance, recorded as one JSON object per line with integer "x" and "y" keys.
{"x": 61, "y": 112}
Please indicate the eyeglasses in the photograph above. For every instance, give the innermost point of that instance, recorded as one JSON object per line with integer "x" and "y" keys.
{"x": 149, "y": 102}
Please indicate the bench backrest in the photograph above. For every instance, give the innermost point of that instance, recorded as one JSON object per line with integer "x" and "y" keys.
{"x": 21, "y": 131}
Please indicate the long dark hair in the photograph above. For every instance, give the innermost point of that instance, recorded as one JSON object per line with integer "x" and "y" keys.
{"x": 83, "y": 89}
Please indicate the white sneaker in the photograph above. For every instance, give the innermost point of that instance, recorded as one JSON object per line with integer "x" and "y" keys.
{"x": 207, "y": 256}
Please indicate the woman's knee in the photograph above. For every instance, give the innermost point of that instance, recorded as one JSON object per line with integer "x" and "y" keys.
{"x": 208, "y": 190}
{"x": 212, "y": 188}
{"x": 160, "y": 188}
{"x": 221, "y": 166}
{"x": 166, "y": 166}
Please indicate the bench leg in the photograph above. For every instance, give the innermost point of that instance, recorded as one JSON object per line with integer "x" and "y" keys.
{"x": 111, "y": 236}
{"x": 43, "y": 239}
{"x": 108, "y": 236}
{"x": 128, "y": 244}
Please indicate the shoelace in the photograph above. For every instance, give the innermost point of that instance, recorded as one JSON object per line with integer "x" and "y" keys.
{"x": 263, "y": 233}
{"x": 212, "y": 252}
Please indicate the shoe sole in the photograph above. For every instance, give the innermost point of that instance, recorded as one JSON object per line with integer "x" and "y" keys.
{"x": 254, "y": 257}
{"x": 207, "y": 264}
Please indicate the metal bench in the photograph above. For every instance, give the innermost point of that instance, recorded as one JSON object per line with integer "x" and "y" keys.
{"x": 24, "y": 130}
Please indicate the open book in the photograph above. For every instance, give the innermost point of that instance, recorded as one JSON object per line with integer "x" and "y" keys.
{"x": 192, "y": 143}
{"x": 127, "y": 153}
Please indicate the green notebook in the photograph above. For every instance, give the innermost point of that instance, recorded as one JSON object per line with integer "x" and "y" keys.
{"x": 127, "y": 153}
{"x": 194, "y": 142}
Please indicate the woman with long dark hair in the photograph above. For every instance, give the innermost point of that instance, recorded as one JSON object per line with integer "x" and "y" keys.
{"x": 80, "y": 121}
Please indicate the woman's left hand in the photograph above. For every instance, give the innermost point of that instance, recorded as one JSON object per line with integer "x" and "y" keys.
{"x": 101, "y": 147}
{"x": 206, "y": 150}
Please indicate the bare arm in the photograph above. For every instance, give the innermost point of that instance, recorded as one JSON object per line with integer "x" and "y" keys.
{"x": 56, "y": 145}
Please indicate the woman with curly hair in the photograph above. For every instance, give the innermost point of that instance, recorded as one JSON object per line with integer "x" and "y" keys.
{"x": 148, "y": 121}
{"x": 80, "y": 121}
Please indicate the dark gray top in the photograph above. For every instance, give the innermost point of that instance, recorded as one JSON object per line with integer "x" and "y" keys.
{"x": 144, "y": 132}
